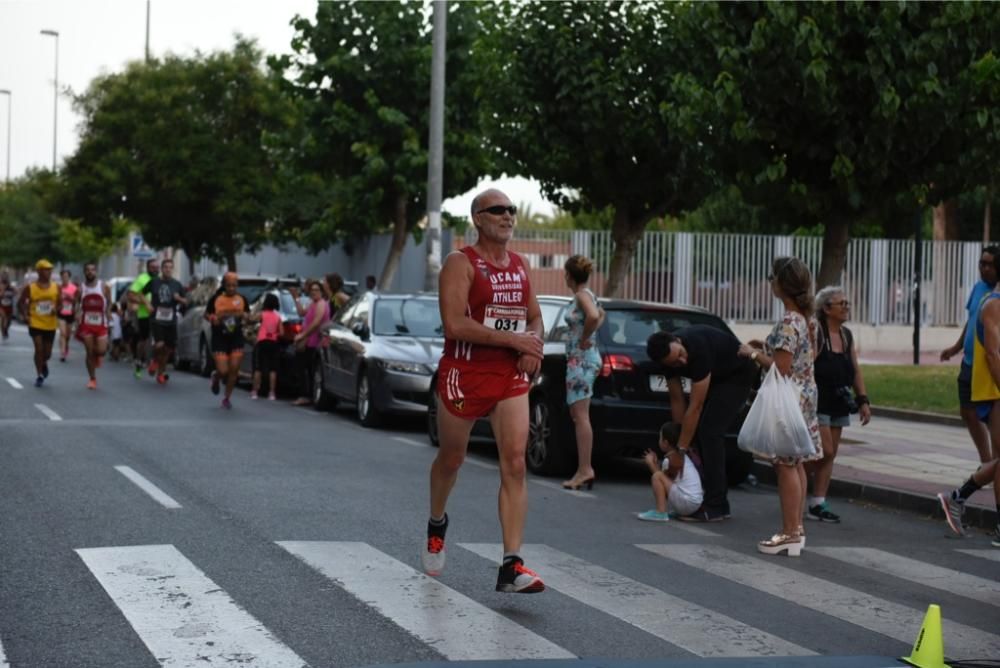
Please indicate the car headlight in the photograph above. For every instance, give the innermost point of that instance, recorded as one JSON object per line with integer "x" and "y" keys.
{"x": 405, "y": 367}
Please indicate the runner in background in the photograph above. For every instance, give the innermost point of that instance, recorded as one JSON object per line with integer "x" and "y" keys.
{"x": 38, "y": 304}
{"x": 165, "y": 293}
{"x": 8, "y": 295}
{"x": 139, "y": 301}
{"x": 93, "y": 311}
{"x": 227, "y": 311}
{"x": 67, "y": 316}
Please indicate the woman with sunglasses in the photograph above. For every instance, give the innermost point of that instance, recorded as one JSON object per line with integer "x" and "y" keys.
{"x": 837, "y": 376}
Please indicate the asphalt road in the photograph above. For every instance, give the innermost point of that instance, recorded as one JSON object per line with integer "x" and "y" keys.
{"x": 143, "y": 525}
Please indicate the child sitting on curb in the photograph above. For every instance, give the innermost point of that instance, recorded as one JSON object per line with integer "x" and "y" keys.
{"x": 676, "y": 481}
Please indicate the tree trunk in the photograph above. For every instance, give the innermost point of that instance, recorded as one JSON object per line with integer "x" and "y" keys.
{"x": 836, "y": 235}
{"x": 626, "y": 234}
{"x": 231, "y": 257}
{"x": 946, "y": 221}
{"x": 988, "y": 214}
{"x": 399, "y": 232}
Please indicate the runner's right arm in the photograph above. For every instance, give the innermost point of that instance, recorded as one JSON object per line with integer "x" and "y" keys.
{"x": 23, "y": 302}
{"x": 991, "y": 337}
{"x": 454, "y": 284}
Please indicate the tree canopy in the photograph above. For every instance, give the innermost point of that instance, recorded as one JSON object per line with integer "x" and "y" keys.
{"x": 176, "y": 146}
{"x": 357, "y": 162}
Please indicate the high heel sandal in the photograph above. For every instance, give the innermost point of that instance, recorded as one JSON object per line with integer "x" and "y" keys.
{"x": 577, "y": 485}
{"x": 782, "y": 542}
{"x": 801, "y": 531}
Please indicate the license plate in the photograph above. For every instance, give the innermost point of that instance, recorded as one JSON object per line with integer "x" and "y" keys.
{"x": 658, "y": 383}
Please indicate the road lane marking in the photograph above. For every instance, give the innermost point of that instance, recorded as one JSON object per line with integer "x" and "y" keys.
{"x": 928, "y": 575}
{"x": 850, "y": 605}
{"x": 48, "y": 412}
{"x": 410, "y": 441}
{"x": 181, "y": 615}
{"x": 687, "y": 625}
{"x": 142, "y": 483}
{"x": 454, "y": 625}
{"x": 3, "y": 658}
{"x": 992, "y": 555}
{"x": 17, "y": 386}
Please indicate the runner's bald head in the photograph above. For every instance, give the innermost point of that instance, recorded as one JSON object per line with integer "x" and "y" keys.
{"x": 484, "y": 196}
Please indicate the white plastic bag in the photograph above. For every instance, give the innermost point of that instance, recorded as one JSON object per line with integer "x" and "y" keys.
{"x": 775, "y": 426}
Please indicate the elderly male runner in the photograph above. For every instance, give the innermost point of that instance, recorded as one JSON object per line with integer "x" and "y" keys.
{"x": 93, "y": 312}
{"x": 493, "y": 345}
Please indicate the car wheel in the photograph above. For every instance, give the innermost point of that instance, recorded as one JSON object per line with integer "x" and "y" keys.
{"x": 432, "y": 416}
{"x": 738, "y": 463}
{"x": 546, "y": 452}
{"x": 368, "y": 413}
{"x": 322, "y": 401}
{"x": 205, "y": 362}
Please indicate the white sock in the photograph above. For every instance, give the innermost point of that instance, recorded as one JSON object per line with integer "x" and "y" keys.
{"x": 816, "y": 501}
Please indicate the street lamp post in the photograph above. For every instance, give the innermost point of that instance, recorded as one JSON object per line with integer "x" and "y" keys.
{"x": 10, "y": 96}
{"x": 55, "y": 103}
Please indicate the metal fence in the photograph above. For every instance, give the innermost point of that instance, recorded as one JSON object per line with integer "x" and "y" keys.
{"x": 727, "y": 273}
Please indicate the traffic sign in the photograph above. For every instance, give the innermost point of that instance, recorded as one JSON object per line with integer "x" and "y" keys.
{"x": 140, "y": 250}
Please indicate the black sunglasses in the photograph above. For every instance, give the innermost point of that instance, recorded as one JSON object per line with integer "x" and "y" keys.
{"x": 499, "y": 210}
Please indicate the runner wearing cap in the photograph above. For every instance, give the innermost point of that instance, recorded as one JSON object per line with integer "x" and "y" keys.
{"x": 38, "y": 304}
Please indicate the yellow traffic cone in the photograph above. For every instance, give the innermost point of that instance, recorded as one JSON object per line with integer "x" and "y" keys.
{"x": 928, "y": 650}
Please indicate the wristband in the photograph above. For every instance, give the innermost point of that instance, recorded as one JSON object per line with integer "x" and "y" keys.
{"x": 862, "y": 399}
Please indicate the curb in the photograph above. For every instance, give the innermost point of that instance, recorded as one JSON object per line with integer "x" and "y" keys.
{"x": 975, "y": 516}
{"x": 917, "y": 416}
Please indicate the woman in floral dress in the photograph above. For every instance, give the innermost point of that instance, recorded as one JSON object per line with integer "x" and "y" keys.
{"x": 791, "y": 345}
{"x": 583, "y": 363}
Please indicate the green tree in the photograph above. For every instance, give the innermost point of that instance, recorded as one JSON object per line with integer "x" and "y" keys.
{"x": 830, "y": 111}
{"x": 177, "y": 145}
{"x": 571, "y": 94}
{"x": 28, "y": 228}
{"x": 357, "y": 163}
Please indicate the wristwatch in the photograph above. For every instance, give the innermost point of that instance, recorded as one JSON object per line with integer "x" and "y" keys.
{"x": 754, "y": 355}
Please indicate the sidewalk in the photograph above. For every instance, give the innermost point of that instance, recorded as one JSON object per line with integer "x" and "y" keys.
{"x": 902, "y": 460}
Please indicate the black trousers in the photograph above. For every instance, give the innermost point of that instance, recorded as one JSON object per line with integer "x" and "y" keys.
{"x": 306, "y": 360}
{"x": 726, "y": 398}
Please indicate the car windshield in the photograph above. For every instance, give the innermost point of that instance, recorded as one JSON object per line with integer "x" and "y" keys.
{"x": 632, "y": 327}
{"x": 407, "y": 317}
{"x": 288, "y": 304}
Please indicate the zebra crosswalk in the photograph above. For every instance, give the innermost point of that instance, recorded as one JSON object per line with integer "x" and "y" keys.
{"x": 184, "y": 619}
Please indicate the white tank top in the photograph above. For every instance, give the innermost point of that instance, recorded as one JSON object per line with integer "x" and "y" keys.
{"x": 93, "y": 304}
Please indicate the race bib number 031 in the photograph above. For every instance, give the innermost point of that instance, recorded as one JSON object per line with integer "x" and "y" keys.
{"x": 506, "y": 318}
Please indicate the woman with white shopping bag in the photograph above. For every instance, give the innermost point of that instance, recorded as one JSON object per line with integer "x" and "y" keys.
{"x": 773, "y": 429}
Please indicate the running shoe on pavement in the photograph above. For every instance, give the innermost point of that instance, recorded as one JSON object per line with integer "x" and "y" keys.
{"x": 433, "y": 554}
{"x": 515, "y": 578}
{"x": 39, "y": 381}
{"x": 162, "y": 379}
{"x": 253, "y": 395}
{"x": 953, "y": 511}
{"x": 227, "y": 404}
{"x": 215, "y": 383}
{"x": 152, "y": 368}
{"x": 138, "y": 370}
{"x": 45, "y": 370}
{"x": 91, "y": 384}
{"x": 996, "y": 537}
{"x": 272, "y": 397}
{"x": 822, "y": 513}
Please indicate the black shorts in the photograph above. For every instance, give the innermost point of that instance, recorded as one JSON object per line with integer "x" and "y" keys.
{"x": 141, "y": 330}
{"x": 267, "y": 356}
{"x": 226, "y": 345}
{"x": 965, "y": 386}
{"x": 48, "y": 335}
{"x": 67, "y": 318}
{"x": 165, "y": 333}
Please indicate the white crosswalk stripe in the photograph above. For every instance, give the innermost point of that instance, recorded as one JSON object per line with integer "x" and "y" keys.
{"x": 853, "y": 606}
{"x": 453, "y": 624}
{"x": 689, "y": 626}
{"x": 3, "y": 658}
{"x": 183, "y": 617}
{"x": 928, "y": 575}
{"x": 992, "y": 555}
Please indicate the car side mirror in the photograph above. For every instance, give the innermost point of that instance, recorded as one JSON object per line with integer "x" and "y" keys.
{"x": 360, "y": 330}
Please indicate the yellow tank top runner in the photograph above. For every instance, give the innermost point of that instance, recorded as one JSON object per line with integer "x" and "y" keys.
{"x": 42, "y": 310}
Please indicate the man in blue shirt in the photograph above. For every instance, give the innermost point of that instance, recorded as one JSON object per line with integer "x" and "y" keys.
{"x": 988, "y": 280}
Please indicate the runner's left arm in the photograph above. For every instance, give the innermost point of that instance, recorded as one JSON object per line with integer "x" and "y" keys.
{"x": 24, "y": 301}
{"x": 991, "y": 335}
{"x": 108, "y": 305}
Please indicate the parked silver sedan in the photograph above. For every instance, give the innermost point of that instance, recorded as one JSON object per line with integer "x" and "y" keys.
{"x": 383, "y": 350}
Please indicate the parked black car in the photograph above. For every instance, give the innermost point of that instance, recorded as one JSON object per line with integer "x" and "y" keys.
{"x": 630, "y": 399}
{"x": 383, "y": 349}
